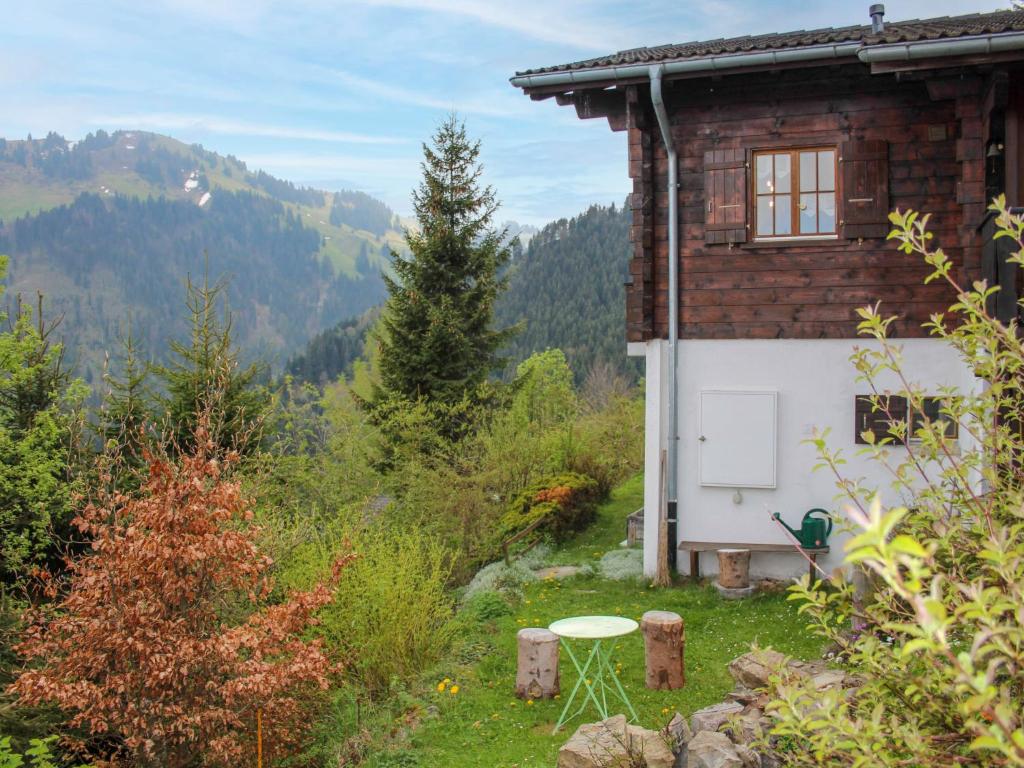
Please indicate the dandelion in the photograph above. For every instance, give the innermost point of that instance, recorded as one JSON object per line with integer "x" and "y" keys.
{"x": 453, "y": 690}
{"x": 529, "y": 702}
{"x": 440, "y": 687}
{"x": 664, "y": 710}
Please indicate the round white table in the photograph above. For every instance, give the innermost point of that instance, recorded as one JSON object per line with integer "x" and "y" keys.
{"x": 597, "y": 629}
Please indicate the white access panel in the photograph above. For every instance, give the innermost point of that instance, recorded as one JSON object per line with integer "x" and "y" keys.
{"x": 738, "y": 437}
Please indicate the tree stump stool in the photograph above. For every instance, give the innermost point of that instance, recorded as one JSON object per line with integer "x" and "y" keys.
{"x": 664, "y": 650}
{"x": 537, "y": 664}
{"x": 734, "y": 568}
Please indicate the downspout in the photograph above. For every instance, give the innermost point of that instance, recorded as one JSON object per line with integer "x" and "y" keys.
{"x": 672, "y": 470}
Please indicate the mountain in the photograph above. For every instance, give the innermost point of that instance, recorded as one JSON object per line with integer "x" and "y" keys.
{"x": 113, "y": 225}
{"x": 565, "y": 289}
{"x": 331, "y": 353}
{"x": 567, "y": 292}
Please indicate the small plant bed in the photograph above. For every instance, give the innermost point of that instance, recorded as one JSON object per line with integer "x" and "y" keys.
{"x": 469, "y": 714}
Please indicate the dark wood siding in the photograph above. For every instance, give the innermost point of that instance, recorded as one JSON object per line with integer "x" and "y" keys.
{"x": 802, "y": 289}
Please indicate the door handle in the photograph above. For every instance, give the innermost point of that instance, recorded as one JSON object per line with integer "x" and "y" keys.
{"x": 702, "y": 438}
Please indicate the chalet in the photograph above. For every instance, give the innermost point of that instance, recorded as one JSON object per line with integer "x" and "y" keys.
{"x": 763, "y": 170}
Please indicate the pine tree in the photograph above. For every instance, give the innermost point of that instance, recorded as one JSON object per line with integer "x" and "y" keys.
{"x": 206, "y": 376}
{"x": 438, "y": 345}
{"x": 127, "y": 402}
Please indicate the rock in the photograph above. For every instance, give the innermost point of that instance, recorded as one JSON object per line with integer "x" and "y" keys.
{"x": 615, "y": 744}
{"x": 651, "y": 746}
{"x": 745, "y": 729}
{"x": 830, "y": 678}
{"x": 753, "y": 669}
{"x": 711, "y": 718}
{"x": 770, "y": 761}
{"x": 750, "y": 758}
{"x": 595, "y": 745}
{"x": 712, "y": 750}
{"x": 677, "y": 731}
{"x": 807, "y": 668}
{"x": 742, "y": 695}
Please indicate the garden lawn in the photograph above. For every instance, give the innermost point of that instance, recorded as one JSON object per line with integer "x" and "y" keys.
{"x": 481, "y": 723}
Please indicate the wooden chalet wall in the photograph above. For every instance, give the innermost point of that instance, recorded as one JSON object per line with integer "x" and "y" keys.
{"x": 933, "y": 130}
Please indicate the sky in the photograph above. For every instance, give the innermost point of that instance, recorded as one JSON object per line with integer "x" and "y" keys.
{"x": 342, "y": 93}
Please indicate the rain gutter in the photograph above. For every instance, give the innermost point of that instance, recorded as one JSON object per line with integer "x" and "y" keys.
{"x": 655, "y": 72}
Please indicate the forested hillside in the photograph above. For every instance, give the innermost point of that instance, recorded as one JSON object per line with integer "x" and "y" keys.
{"x": 567, "y": 291}
{"x": 112, "y": 226}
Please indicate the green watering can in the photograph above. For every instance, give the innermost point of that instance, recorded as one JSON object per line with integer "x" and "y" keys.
{"x": 814, "y": 529}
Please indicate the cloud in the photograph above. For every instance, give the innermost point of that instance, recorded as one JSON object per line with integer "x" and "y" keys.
{"x": 550, "y": 21}
{"x": 416, "y": 98}
{"x": 210, "y": 124}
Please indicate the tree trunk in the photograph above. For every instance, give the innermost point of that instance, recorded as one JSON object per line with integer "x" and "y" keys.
{"x": 537, "y": 670}
{"x": 734, "y": 568}
{"x": 664, "y": 649}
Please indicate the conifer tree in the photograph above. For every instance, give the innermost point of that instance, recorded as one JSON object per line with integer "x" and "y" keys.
{"x": 438, "y": 344}
{"x": 126, "y": 405}
{"x": 206, "y": 376}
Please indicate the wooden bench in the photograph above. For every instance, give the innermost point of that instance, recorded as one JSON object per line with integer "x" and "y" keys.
{"x": 696, "y": 547}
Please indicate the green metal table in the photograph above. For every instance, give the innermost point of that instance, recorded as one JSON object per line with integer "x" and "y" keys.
{"x": 598, "y": 661}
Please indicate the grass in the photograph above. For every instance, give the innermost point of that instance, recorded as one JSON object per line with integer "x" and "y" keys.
{"x": 484, "y": 724}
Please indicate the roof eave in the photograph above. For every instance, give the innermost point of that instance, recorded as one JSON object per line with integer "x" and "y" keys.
{"x": 730, "y": 61}
{"x": 882, "y": 52}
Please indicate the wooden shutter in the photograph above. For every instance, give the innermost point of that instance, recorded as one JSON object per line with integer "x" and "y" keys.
{"x": 868, "y": 419}
{"x": 725, "y": 196}
{"x": 864, "y": 189}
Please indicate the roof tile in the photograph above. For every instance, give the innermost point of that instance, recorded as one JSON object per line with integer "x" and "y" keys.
{"x": 895, "y": 32}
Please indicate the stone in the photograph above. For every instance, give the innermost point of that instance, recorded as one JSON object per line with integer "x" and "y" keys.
{"x": 651, "y": 746}
{"x": 711, "y": 718}
{"x": 742, "y": 695}
{"x": 753, "y": 669}
{"x": 596, "y": 745}
{"x": 737, "y": 593}
{"x": 615, "y": 744}
{"x": 746, "y": 728}
{"x": 712, "y": 750}
{"x": 677, "y": 731}
{"x": 664, "y": 650}
{"x": 830, "y": 678}
{"x": 750, "y": 758}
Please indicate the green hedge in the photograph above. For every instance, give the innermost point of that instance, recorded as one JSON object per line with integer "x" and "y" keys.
{"x": 566, "y": 503}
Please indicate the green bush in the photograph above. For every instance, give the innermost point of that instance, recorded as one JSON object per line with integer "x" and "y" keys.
{"x": 392, "y": 614}
{"x": 38, "y": 754}
{"x": 485, "y": 606}
{"x": 939, "y": 640}
{"x": 564, "y": 504}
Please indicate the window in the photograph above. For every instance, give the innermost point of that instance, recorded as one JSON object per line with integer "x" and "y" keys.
{"x": 795, "y": 193}
{"x": 889, "y": 419}
{"x": 932, "y": 411}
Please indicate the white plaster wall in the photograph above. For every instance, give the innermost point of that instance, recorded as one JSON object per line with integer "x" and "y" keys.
{"x": 655, "y": 432}
{"x": 817, "y": 385}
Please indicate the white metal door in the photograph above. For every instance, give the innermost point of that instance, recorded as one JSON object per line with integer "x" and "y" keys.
{"x": 737, "y": 438}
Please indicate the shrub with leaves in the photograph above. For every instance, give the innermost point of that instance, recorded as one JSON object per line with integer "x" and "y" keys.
{"x": 160, "y": 636}
{"x": 562, "y": 505}
{"x": 939, "y": 609}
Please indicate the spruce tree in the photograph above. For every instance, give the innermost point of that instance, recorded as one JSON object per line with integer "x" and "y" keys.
{"x": 438, "y": 344}
{"x": 206, "y": 376}
{"x": 126, "y": 406}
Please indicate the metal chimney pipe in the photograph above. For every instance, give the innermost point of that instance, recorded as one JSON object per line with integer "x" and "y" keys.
{"x": 877, "y": 12}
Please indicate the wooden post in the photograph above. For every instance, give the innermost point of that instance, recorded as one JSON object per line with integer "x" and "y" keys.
{"x": 664, "y": 649}
{"x": 734, "y": 568}
{"x": 537, "y": 664}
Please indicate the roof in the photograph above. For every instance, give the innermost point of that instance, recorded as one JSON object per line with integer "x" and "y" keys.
{"x": 916, "y": 30}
